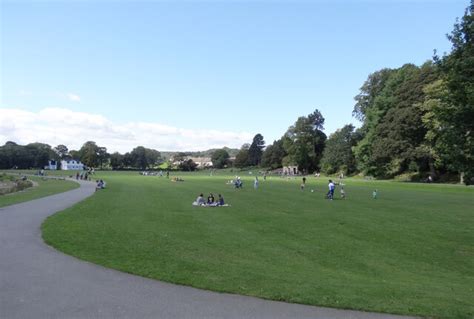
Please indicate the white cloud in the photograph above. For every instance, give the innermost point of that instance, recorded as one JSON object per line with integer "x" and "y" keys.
{"x": 62, "y": 126}
{"x": 73, "y": 97}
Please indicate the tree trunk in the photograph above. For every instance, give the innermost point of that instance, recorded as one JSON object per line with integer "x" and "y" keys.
{"x": 461, "y": 177}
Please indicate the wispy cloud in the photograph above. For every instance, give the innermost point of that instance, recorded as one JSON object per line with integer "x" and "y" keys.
{"x": 63, "y": 126}
{"x": 73, "y": 97}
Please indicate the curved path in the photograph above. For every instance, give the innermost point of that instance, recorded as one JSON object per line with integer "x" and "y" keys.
{"x": 37, "y": 281}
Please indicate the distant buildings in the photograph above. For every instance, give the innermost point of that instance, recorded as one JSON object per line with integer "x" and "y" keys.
{"x": 72, "y": 165}
{"x": 202, "y": 162}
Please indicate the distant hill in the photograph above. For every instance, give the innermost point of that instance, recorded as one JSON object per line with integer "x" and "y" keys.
{"x": 232, "y": 153}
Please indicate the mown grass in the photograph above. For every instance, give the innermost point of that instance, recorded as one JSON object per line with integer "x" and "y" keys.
{"x": 410, "y": 251}
{"x": 45, "y": 187}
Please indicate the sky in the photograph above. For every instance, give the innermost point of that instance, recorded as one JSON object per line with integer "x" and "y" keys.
{"x": 195, "y": 75}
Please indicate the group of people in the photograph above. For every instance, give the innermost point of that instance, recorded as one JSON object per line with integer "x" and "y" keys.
{"x": 83, "y": 176}
{"x": 211, "y": 201}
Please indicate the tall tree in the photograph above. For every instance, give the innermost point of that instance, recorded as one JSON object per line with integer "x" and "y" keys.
{"x": 102, "y": 155}
{"x": 256, "y": 150}
{"x": 456, "y": 119}
{"x": 393, "y": 130}
{"x": 139, "y": 157}
{"x": 89, "y": 154}
{"x": 304, "y": 142}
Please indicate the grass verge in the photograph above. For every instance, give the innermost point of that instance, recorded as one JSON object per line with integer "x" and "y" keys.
{"x": 45, "y": 187}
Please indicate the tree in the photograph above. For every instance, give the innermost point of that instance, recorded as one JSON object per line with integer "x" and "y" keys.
{"x": 38, "y": 154}
{"x": 128, "y": 160}
{"x": 304, "y": 142}
{"x": 369, "y": 91}
{"x": 116, "y": 160}
{"x": 89, "y": 154}
{"x": 241, "y": 160}
{"x": 220, "y": 158}
{"x": 13, "y": 155}
{"x": 62, "y": 151}
{"x": 392, "y": 131}
{"x": 455, "y": 113}
{"x": 256, "y": 150}
{"x": 153, "y": 157}
{"x": 273, "y": 155}
{"x": 102, "y": 155}
{"x": 75, "y": 154}
{"x": 144, "y": 158}
{"x": 187, "y": 165}
{"x": 338, "y": 155}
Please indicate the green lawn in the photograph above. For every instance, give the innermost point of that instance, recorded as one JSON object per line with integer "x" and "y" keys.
{"x": 45, "y": 187}
{"x": 411, "y": 251}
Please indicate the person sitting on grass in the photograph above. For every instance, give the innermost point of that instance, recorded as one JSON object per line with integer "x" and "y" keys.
{"x": 199, "y": 201}
{"x": 210, "y": 199}
{"x": 220, "y": 200}
{"x": 100, "y": 184}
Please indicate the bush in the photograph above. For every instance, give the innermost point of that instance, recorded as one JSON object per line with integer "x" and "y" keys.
{"x": 11, "y": 185}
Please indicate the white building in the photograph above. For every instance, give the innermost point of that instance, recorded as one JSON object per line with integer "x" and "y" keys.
{"x": 52, "y": 165}
{"x": 72, "y": 165}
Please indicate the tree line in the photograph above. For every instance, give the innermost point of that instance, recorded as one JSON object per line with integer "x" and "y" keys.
{"x": 37, "y": 155}
{"x": 416, "y": 121}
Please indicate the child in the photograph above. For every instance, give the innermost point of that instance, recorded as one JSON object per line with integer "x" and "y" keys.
{"x": 343, "y": 193}
{"x": 374, "y": 194}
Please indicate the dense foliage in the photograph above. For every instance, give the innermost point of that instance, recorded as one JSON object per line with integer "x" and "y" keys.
{"x": 220, "y": 158}
{"x": 420, "y": 120}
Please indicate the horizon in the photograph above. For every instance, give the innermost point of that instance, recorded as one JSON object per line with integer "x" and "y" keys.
{"x": 192, "y": 76}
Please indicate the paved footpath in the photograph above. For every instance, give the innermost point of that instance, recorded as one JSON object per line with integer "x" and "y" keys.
{"x": 37, "y": 281}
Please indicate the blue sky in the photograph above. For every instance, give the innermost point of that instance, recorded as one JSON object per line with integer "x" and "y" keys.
{"x": 193, "y": 75}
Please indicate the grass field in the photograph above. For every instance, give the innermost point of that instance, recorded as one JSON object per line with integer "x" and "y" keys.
{"x": 45, "y": 187}
{"x": 410, "y": 251}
